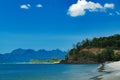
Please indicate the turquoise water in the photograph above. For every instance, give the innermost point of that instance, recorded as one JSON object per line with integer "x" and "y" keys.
{"x": 48, "y": 71}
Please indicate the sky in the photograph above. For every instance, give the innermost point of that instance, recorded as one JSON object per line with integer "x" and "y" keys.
{"x": 55, "y": 24}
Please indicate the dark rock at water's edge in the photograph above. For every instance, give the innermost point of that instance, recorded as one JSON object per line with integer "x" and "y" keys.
{"x": 77, "y": 62}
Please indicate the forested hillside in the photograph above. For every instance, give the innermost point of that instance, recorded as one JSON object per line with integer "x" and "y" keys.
{"x": 97, "y": 50}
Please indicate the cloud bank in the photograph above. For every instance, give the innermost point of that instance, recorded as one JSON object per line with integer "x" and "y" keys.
{"x": 80, "y": 8}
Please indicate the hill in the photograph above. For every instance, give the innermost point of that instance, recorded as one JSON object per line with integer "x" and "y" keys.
{"x": 25, "y": 55}
{"x": 97, "y": 50}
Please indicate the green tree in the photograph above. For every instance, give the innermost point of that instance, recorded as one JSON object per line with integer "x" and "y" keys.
{"x": 106, "y": 55}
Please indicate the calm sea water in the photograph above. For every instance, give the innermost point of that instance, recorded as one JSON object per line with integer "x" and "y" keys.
{"x": 49, "y": 72}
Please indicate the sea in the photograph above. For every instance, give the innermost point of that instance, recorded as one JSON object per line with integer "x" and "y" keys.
{"x": 51, "y": 72}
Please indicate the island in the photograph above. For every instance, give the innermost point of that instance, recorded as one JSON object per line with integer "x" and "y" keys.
{"x": 51, "y": 61}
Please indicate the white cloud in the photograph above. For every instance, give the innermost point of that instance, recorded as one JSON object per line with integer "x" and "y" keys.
{"x": 80, "y": 8}
{"x": 28, "y": 6}
{"x": 39, "y": 5}
{"x": 25, "y": 6}
{"x": 109, "y": 6}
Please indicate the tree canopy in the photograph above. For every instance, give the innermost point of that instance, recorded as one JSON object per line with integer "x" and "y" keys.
{"x": 108, "y": 44}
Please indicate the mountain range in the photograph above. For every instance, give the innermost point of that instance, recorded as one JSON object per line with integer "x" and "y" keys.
{"x": 25, "y": 55}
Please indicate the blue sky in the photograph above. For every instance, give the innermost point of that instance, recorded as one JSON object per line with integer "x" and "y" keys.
{"x": 51, "y": 24}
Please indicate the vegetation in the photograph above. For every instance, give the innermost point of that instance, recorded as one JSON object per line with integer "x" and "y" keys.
{"x": 102, "y": 42}
{"x": 54, "y": 60}
{"x": 105, "y": 47}
{"x": 106, "y": 55}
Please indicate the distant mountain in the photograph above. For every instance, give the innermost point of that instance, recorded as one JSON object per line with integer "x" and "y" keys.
{"x": 25, "y": 55}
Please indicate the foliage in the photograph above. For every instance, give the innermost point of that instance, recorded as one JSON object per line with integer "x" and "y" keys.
{"x": 102, "y": 42}
{"x": 109, "y": 44}
{"x": 88, "y": 55}
{"x": 106, "y": 55}
{"x": 54, "y": 60}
